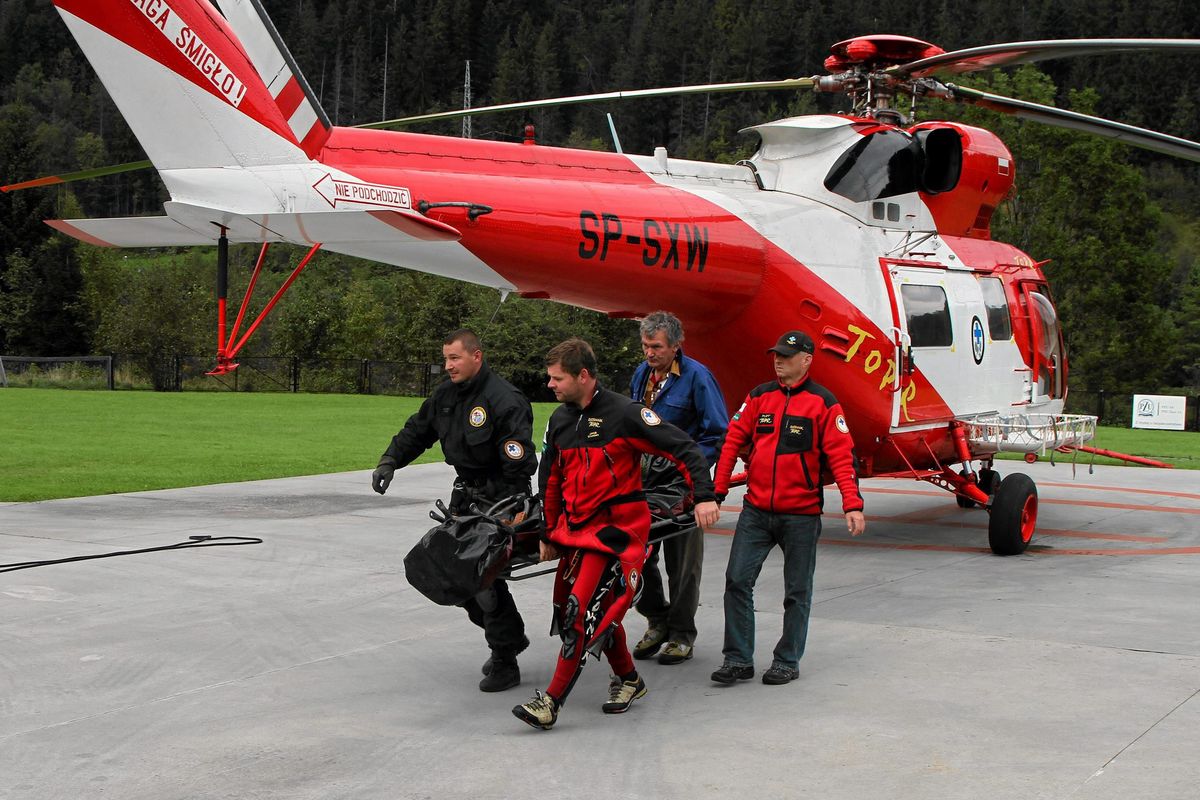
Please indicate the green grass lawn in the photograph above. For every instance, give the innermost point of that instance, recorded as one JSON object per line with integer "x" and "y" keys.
{"x": 62, "y": 443}
{"x": 1180, "y": 448}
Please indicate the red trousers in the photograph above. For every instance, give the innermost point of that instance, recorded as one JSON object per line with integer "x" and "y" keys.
{"x": 591, "y": 595}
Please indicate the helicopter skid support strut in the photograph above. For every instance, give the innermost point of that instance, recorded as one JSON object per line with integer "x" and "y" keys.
{"x": 228, "y": 348}
{"x": 943, "y": 476}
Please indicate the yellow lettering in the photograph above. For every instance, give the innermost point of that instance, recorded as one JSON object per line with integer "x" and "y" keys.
{"x": 861, "y": 336}
{"x": 909, "y": 393}
{"x": 873, "y": 361}
{"x": 889, "y": 375}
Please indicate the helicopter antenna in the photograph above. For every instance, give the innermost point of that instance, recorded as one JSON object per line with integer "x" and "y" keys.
{"x": 613, "y": 128}
{"x": 466, "y": 126}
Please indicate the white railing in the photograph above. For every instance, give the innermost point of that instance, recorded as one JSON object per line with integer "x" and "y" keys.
{"x": 1028, "y": 433}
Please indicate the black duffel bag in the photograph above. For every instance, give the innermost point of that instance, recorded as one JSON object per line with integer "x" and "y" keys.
{"x": 459, "y": 558}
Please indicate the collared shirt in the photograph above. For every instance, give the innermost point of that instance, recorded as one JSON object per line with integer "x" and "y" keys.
{"x": 655, "y": 386}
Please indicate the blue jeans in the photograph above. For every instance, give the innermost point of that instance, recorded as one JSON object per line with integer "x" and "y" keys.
{"x": 757, "y": 533}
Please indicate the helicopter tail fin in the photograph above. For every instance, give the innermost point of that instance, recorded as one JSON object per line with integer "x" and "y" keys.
{"x": 279, "y": 72}
{"x": 191, "y": 91}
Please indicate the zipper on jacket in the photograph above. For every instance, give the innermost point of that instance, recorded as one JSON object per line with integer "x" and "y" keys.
{"x": 787, "y": 393}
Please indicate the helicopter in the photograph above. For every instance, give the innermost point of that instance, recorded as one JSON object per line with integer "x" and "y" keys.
{"x": 866, "y": 230}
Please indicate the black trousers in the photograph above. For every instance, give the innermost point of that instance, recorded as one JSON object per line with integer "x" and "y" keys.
{"x": 684, "y": 557}
{"x": 493, "y": 609}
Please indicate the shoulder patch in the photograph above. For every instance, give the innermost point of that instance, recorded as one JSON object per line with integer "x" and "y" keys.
{"x": 841, "y": 424}
{"x": 477, "y": 417}
{"x": 649, "y": 417}
{"x": 514, "y": 450}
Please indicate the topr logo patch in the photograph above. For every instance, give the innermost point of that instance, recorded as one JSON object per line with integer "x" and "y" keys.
{"x": 841, "y": 424}
{"x": 477, "y": 417}
{"x": 514, "y": 450}
{"x": 650, "y": 418}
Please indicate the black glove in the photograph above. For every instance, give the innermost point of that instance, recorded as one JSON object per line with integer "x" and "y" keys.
{"x": 381, "y": 478}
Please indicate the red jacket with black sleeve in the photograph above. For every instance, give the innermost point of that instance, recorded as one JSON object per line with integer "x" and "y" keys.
{"x": 590, "y": 475}
{"x": 795, "y": 434}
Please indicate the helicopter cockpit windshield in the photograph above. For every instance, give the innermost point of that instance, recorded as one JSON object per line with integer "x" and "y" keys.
{"x": 1048, "y": 341}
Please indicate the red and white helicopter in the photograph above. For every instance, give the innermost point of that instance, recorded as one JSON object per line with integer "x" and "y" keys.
{"x": 866, "y": 231}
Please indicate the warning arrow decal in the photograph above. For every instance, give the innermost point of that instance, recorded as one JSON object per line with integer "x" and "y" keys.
{"x": 336, "y": 191}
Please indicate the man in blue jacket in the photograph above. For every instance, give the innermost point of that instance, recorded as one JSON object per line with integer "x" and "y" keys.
{"x": 683, "y": 392}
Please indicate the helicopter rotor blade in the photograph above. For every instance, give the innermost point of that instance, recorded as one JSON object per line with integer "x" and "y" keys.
{"x": 991, "y": 56}
{"x": 634, "y": 94}
{"x": 82, "y": 175}
{"x": 789, "y": 83}
{"x": 1072, "y": 120}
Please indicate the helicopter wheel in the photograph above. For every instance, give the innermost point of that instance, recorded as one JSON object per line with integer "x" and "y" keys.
{"x": 1014, "y": 515}
{"x": 989, "y": 481}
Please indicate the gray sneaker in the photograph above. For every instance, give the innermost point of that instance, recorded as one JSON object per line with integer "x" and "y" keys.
{"x": 621, "y": 694}
{"x": 652, "y": 640}
{"x": 540, "y": 712}
{"x": 675, "y": 653}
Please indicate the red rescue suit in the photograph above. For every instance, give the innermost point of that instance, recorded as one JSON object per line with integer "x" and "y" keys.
{"x": 595, "y": 510}
{"x": 797, "y": 434}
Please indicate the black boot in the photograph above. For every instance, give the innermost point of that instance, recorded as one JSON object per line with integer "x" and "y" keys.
{"x": 486, "y": 669}
{"x": 504, "y": 674}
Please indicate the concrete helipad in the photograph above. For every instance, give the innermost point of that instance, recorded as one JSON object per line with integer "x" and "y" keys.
{"x": 306, "y": 667}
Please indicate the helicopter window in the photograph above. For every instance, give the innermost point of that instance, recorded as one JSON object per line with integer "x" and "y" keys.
{"x": 999, "y": 322}
{"x": 928, "y": 315}
{"x": 884, "y": 164}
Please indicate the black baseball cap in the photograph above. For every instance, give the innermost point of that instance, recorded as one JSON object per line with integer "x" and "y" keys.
{"x": 791, "y": 343}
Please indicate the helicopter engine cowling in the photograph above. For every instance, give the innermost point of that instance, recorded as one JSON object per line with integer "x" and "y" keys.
{"x": 968, "y": 171}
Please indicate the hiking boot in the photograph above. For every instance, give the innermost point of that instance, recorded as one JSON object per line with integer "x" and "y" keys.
{"x": 540, "y": 712}
{"x": 505, "y": 674}
{"x": 728, "y": 673}
{"x": 652, "y": 640}
{"x": 486, "y": 669}
{"x": 621, "y": 694}
{"x": 675, "y": 653}
{"x": 779, "y": 674}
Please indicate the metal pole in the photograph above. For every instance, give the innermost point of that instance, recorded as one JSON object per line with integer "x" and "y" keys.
{"x": 3, "y": 377}
{"x": 108, "y": 366}
{"x": 222, "y": 290}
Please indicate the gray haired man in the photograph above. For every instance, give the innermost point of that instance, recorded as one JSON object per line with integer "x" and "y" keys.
{"x": 683, "y": 392}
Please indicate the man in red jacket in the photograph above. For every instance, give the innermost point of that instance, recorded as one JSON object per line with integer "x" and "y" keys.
{"x": 794, "y": 427}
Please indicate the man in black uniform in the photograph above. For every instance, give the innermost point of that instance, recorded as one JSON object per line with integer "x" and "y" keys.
{"x": 485, "y": 426}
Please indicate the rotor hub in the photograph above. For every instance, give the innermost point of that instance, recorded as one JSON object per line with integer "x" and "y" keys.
{"x": 859, "y": 69}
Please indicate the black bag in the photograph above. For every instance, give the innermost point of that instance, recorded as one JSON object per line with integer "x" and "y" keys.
{"x": 459, "y": 558}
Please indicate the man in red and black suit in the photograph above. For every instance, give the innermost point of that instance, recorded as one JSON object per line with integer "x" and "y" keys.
{"x": 597, "y": 521}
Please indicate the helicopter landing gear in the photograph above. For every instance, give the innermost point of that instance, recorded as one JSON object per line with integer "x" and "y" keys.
{"x": 1013, "y": 515}
{"x": 987, "y": 481}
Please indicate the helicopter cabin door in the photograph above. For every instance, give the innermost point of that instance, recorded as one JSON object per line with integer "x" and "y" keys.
{"x": 938, "y": 324}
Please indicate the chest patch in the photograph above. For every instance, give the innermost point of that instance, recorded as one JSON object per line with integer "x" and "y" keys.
{"x": 595, "y": 422}
{"x": 650, "y": 418}
{"x": 477, "y": 417}
{"x": 514, "y": 450}
{"x": 766, "y": 419}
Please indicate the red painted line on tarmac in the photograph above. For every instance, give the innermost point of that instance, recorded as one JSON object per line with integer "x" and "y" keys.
{"x": 913, "y": 518}
{"x": 1056, "y": 501}
{"x": 1162, "y": 551}
{"x": 1129, "y": 489}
